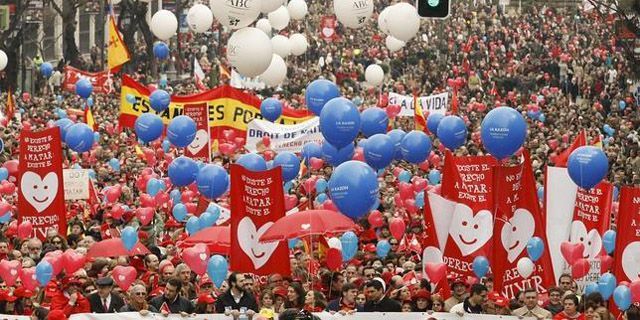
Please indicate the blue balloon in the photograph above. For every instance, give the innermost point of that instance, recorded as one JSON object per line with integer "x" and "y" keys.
{"x": 92, "y": 174}
{"x": 349, "y": 242}
{"x": 289, "y": 163}
{"x": 535, "y": 248}
{"x": 129, "y": 237}
{"x": 271, "y": 109}
{"x": 622, "y": 297}
{"x": 215, "y": 213}
{"x": 5, "y": 218}
{"x": 130, "y": 98}
{"x": 590, "y": 288}
{"x": 212, "y": 181}
{"x": 159, "y": 100}
{"x": 79, "y": 137}
{"x": 452, "y": 132}
{"x": 217, "y": 269}
{"x": 76, "y": 166}
{"x": 287, "y": 186}
{"x": 183, "y": 171}
{"x": 609, "y": 241}
{"x": 311, "y": 150}
{"x": 179, "y": 212}
{"x": 269, "y": 164}
{"x": 335, "y": 156}
{"x": 252, "y": 161}
{"x": 540, "y": 193}
{"x": 162, "y": 83}
{"x": 4, "y": 173}
{"x": 396, "y": 136}
{"x": 193, "y": 225}
{"x": 321, "y": 198}
{"x": 587, "y": 166}
{"x": 480, "y": 266}
{"x": 374, "y": 121}
{"x": 154, "y": 186}
{"x": 293, "y": 242}
{"x": 90, "y": 102}
{"x": 59, "y": 98}
{"x": 321, "y": 185}
{"x": 181, "y": 131}
{"x": 160, "y": 50}
{"x": 415, "y": 146}
{"x": 419, "y": 200}
{"x": 44, "y": 272}
{"x": 404, "y": 176}
{"x": 433, "y": 121}
{"x": 354, "y": 188}
{"x": 503, "y": 131}
{"x": 114, "y": 164}
{"x": 622, "y": 104}
{"x": 148, "y": 127}
{"x": 318, "y": 93}
{"x": 379, "y": 151}
{"x": 96, "y": 137}
{"x": 542, "y": 118}
{"x": 207, "y": 219}
{"x": 84, "y": 88}
{"x": 434, "y": 176}
{"x": 175, "y": 196}
{"x": 46, "y": 69}
{"x": 606, "y": 285}
{"x": 382, "y": 248}
{"x": 340, "y": 122}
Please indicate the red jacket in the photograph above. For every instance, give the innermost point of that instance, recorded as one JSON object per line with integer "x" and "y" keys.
{"x": 60, "y": 302}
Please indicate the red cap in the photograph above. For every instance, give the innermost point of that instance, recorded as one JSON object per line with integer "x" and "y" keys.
{"x": 172, "y": 223}
{"x": 51, "y": 289}
{"x": 502, "y": 302}
{"x": 422, "y": 294}
{"x": 206, "y": 298}
{"x": 21, "y": 292}
{"x": 69, "y": 281}
{"x": 280, "y": 291}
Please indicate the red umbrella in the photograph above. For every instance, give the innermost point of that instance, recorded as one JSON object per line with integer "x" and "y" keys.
{"x": 217, "y": 238}
{"x": 114, "y": 248}
{"x": 308, "y": 223}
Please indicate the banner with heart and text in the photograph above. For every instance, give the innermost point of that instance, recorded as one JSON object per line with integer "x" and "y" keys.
{"x": 200, "y": 147}
{"x": 627, "y": 252}
{"x": 102, "y": 81}
{"x": 41, "y": 188}
{"x": 257, "y": 201}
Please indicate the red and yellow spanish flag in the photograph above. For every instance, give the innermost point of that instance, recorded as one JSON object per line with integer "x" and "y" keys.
{"x": 89, "y": 120}
{"x": 597, "y": 142}
{"x": 418, "y": 116}
{"x": 117, "y": 53}
{"x": 224, "y": 73}
{"x": 11, "y": 106}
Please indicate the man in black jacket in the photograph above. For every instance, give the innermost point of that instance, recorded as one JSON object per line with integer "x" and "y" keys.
{"x": 171, "y": 301}
{"x": 236, "y": 298}
{"x": 104, "y": 301}
{"x": 376, "y": 299}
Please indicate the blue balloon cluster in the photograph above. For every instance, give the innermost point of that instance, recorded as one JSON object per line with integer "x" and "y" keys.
{"x": 404, "y": 176}
{"x": 433, "y": 121}
{"x": 212, "y": 181}
{"x": 148, "y": 127}
{"x": 318, "y": 93}
{"x": 606, "y": 285}
{"x": 159, "y": 100}
{"x": 79, "y": 137}
{"x": 374, "y": 121}
{"x": 396, "y": 136}
{"x": 354, "y": 188}
{"x": 622, "y": 297}
{"x": 64, "y": 124}
{"x": 154, "y": 186}
{"x": 503, "y": 131}
{"x": 183, "y": 171}
{"x": 192, "y": 226}
{"x": 271, "y": 109}
{"x": 181, "y": 131}
{"x": 340, "y": 122}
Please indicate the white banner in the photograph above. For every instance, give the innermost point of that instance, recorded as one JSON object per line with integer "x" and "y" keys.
{"x": 76, "y": 184}
{"x": 321, "y": 315}
{"x": 283, "y": 137}
{"x": 437, "y": 103}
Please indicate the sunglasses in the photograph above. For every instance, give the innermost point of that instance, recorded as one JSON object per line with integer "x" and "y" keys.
{"x": 142, "y": 294}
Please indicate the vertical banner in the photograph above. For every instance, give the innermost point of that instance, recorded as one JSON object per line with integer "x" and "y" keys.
{"x": 41, "y": 189}
{"x": 518, "y": 219}
{"x": 627, "y": 253}
{"x": 200, "y": 148}
{"x": 468, "y": 181}
{"x": 257, "y": 201}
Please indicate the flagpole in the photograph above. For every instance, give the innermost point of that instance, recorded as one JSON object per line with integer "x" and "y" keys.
{"x": 103, "y": 4}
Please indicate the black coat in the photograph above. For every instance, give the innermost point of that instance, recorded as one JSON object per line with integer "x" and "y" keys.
{"x": 96, "y": 303}
{"x": 176, "y": 306}
{"x": 384, "y": 305}
{"x": 227, "y": 300}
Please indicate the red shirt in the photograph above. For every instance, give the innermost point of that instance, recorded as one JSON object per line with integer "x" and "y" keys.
{"x": 564, "y": 316}
{"x": 61, "y": 302}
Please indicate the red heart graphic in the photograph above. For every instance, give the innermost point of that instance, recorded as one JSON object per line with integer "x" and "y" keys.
{"x": 309, "y": 185}
{"x": 24, "y": 230}
{"x": 28, "y": 277}
{"x": 124, "y": 276}
{"x": 145, "y": 215}
{"x": 436, "y": 271}
{"x": 572, "y": 252}
{"x": 147, "y": 201}
{"x": 10, "y": 271}
{"x": 406, "y": 191}
{"x": 227, "y": 148}
{"x": 580, "y": 268}
{"x": 55, "y": 259}
{"x": 72, "y": 261}
{"x": 117, "y": 211}
{"x": 193, "y": 257}
{"x": 420, "y": 184}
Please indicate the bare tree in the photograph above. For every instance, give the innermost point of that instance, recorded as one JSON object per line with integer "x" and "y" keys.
{"x": 10, "y": 42}
{"x": 68, "y": 13}
{"x": 131, "y": 20}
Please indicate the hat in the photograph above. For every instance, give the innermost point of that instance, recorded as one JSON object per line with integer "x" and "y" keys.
{"x": 422, "y": 294}
{"x": 107, "y": 215}
{"x": 104, "y": 282}
{"x": 206, "y": 298}
{"x": 69, "y": 281}
{"x": 501, "y": 302}
{"x": 56, "y": 315}
{"x": 51, "y": 289}
{"x": 280, "y": 291}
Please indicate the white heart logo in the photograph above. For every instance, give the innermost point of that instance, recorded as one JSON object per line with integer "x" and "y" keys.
{"x": 14, "y": 272}
{"x": 631, "y": 261}
{"x": 37, "y": 191}
{"x": 121, "y": 277}
{"x": 591, "y": 240}
{"x": 431, "y": 254}
{"x": 305, "y": 226}
{"x": 327, "y": 32}
{"x": 258, "y": 252}
{"x": 470, "y": 232}
{"x": 516, "y": 233}
{"x": 199, "y": 142}
{"x": 203, "y": 256}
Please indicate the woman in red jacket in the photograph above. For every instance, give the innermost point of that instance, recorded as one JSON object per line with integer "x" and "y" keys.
{"x": 70, "y": 300}
{"x": 570, "y": 311}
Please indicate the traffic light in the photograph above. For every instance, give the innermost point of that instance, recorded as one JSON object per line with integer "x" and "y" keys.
{"x": 437, "y": 9}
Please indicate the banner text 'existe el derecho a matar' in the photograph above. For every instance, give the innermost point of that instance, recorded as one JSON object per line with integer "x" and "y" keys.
{"x": 229, "y": 108}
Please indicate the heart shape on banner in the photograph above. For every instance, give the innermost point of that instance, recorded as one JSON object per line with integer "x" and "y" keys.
{"x": 124, "y": 276}
{"x": 199, "y": 142}
{"x": 516, "y": 233}
{"x": 631, "y": 260}
{"x": 193, "y": 257}
{"x": 39, "y": 192}
{"x": 572, "y": 252}
{"x": 258, "y": 252}
{"x": 591, "y": 240}
{"x": 436, "y": 271}
{"x": 470, "y": 232}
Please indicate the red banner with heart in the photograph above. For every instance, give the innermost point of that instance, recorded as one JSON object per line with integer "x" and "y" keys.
{"x": 41, "y": 189}
{"x": 627, "y": 257}
{"x": 518, "y": 219}
{"x": 257, "y": 201}
{"x": 468, "y": 182}
{"x": 102, "y": 81}
{"x": 200, "y": 148}
{"x": 328, "y": 26}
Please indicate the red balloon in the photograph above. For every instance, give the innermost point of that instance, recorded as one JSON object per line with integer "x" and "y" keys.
{"x": 606, "y": 262}
{"x": 290, "y": 201}
{"x": 572, "y": 252}
{"x": 580, "y": 268}
{"x": 358, "y": 155}
{"x": 145, "y": 215}
{"x": 117, "y": 211}
{"x": 396, "y": 171}
{"x": 227, "y": 148}
{"x": 420, "y": 184}
{"x": 10, "y": 271}
{"x": 316, "y": 163}
{"x": 329, "y": 205}
{"x": 309, "y": 185}
{"x": 392, "y": 110}
{"x": 334, "y": 259}
{"x": 187, "y": 196}
{"x": 397, "y": 227}
{"x": 229, "y": 134}
{"x": 635, "y": 291}
{"x": 28, "y": 277}
{"x": 196, "y": 258}
{"x": 266, "y": 141}
{"x": 161, "y": 198}
{"x": 12, "y": 167}
{"x": 113, "y": 194}
{"x": 55, "y": 259}
{"x": 406, "y": 191}
{"x": 435, "y": 271}
{"x": 72, "y": 261}
{"x": 4, "y": 208}
{"x": 26, "y": 96}
{"x": 268, "y": 155}
{"x": 8, "y": 188}
{"x": 124, "y": 276}
{"x": 410, "y": 205}
{"x": 24, "y": 230}
{"x": 147, "y": 200}
{"x": 424, "y": 166}
{"x": 376, "y": 219}
{"x": 192, "y": 207}
{"x": 369, "y": 247}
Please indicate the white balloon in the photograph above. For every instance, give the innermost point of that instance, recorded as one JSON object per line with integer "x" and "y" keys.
{"x": 281, "y": 45}
{"x": 334, "y": 243}
{"x": 199, "y": 18}
{"x": 299, "y": 44}
{"x": 236, "y": 14}
{"x": 164, "y": 24}
{"x": 276, "y": 73}
{"x": 264, "y": 25}
{"x": 297, "y": 9}
{"x": 3, "y": 60}
{"x": 383, "y": 25}
{"x": 525, "y": 267}
{"x": 353, "y": 13}
{"x": 279, "y": 18}
{"x": 267, "y": 6}
{"x": 394, "y": 44}
{"x": 403, "y": 21}
{"x": 249, "y": 50}
{"x": 374, "y": 74}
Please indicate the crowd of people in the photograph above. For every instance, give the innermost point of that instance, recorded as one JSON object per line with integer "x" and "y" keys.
{"x": 562, "y": 67}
